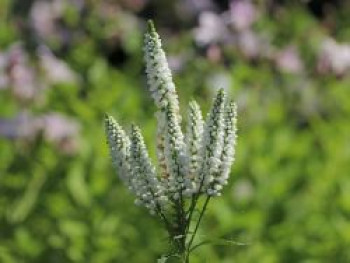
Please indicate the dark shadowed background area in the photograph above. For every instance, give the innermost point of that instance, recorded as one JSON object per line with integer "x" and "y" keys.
{"x": 63, "y": 64}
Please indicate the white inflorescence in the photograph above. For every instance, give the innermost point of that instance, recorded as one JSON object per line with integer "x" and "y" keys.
{"x": 193, "y": 146}
{"x": 145, "y": 183}
{"x": 170, "y": 145}
{"x": 212, "y": 143}
{"x": 119, "y": 146}
{"x": 197, "y": 164}
{"x": 228, "y": 151}
{"x": 174, "y": 153}
{"x": 159, "y": 78}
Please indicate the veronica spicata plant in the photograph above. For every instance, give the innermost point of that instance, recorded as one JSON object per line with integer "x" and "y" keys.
{"x": 191, "y": 167}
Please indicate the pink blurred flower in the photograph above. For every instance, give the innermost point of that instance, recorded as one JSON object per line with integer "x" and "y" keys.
{"x": 43, "y": 15}
{"x": 22, "y": 126}
{"x": 177, "y": 62}
{"x": 288, "y": 60}
{"x": 56, "y": 128}
{"x": 23, "y": 82}
{"x": 196, "y": 6}
{"x": 250, "y": 44}
{"x": 211, "y": 29}
{"x": 56, "y": 71}
{"x": 3, "y": 81}
{"x": 3, "y": 76}
{"x": 21, "y": 77}
{"x": 214, "y": 53}
{"x": 334, "y": 57}
{"x": 242, "y": 14}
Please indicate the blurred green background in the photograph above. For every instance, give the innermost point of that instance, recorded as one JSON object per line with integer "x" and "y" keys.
{"x": 63, "y": 63}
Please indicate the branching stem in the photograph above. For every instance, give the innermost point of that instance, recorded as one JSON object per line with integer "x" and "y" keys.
{"x": 198, "y": 222}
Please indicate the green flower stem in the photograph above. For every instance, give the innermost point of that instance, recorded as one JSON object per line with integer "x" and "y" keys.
{"x": 198, "y": 222}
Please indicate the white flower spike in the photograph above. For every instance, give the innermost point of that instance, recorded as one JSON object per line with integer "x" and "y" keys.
{"x": 193, "y": 145}
{"x": 228, "y": 151}
{"x": 119, "y": 146}
{"x": 159, "y": 78}
{"x": 145, "y": 184}
{"x": 162, "y": 88}
{"x": 212, "y": 143}
{"x": 174, "y": 153}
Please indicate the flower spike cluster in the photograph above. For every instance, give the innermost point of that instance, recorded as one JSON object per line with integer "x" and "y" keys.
{"x": 190, "y": 165}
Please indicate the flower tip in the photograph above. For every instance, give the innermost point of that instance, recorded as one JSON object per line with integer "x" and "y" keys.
{"x": 150, "y": 26}
{"x": 220, "y": 95}
{"x": 221, "y": 91}
{"x": 134, "y": 128}
{"x": 107, "y": 119}
{"x": 135, "y": 132}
